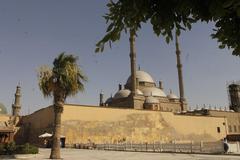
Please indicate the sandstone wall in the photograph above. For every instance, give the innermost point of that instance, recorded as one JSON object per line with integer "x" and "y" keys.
{"x": 233, "y": 119}
{"x": 35, "y": 124}
{"x": 83, "y": 123}
{"x": 98, "y": 124}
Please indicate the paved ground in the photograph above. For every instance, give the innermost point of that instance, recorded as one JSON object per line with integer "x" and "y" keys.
{"x": 79, "y": 154}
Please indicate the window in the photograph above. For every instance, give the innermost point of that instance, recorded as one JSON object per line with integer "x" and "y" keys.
{"x": 218, "y": 129}
{"x": 229, "y": 129}
{"x": 235, "y": 128}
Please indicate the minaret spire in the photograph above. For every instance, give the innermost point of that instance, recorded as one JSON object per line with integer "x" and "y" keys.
{"x": 16, "y": 106}
{"x": 133, "y": 62}
{"x": 180, "y": 77}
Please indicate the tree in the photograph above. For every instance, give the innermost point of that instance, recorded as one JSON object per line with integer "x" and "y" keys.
{"x": 63, "y": 80}
{"x": 168, "y": 15}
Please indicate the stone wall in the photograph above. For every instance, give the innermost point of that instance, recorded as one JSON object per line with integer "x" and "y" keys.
{"x": 83, "y": 123}
{"x": 35, "y": 124}
{"x": 100, "y": 124}
{"x": 233, "y": 119}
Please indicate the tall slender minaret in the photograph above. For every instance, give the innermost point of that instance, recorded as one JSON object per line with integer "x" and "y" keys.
{"x": 101, "y": 103}
{"x": 133, "y": 62}
{"x": 180, "y": 77}
{"x": 16, "y": 107}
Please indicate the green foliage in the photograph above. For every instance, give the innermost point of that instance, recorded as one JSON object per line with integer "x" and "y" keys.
{"x": 12, "y": 148}
{"x": 167, "y": 16}
{"x": 65, "y": 78}
{"x": 26, "y": 149}
{"x": 2, "y": 149}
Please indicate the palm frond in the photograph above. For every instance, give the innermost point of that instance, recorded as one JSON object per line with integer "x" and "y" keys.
{"x": 45, "y": 81}
{"x": 65, "y": 77}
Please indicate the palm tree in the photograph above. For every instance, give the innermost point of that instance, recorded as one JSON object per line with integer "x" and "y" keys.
{"x": 63, "y": 80}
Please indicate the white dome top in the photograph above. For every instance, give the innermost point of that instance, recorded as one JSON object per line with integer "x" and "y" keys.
{"x": 122, "y": 94}
{"x": 153, "y": 91}
{"x": 142, "y": 77}
{"x": 151, "y": 100}
{"x": 171, "y": 95}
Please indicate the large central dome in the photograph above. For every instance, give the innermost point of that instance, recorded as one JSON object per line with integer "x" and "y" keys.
{"x": 142, "y": 77}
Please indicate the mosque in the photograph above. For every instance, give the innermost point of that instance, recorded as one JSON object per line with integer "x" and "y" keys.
{"x": 141, "y": 91}
{"x": 148, "y": 95}
{"x": 140, "y": 111}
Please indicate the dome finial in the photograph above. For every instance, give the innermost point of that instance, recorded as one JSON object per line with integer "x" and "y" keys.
{"x": 139, "y": 67}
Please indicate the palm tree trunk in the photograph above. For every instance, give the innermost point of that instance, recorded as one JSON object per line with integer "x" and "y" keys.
{"x": 55, "y": 151}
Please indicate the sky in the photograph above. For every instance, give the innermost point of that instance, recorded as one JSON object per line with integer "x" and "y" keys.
{"x": 34, "y": 32}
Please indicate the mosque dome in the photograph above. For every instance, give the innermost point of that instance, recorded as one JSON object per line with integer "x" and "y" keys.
{"x": 153, "y": 91}
{"x": 122, "y": 94}
{"x": 3, "y": 109}
{"x": 142, "y": 77}
{"x": 109, "y": 100}
{"x": 151, "y": 100}
{"x": 171, "y": 95}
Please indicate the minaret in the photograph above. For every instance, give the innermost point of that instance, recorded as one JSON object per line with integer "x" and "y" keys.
{"x": 133, "y": 62}
{"x": 101, "y": 99}
{"x": 161, "y": 85}
{"x": 180, "y": 77}
{"x": 16, "y": 107}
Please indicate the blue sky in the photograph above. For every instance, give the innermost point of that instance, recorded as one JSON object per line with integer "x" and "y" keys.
{"x": 34, "y": 32}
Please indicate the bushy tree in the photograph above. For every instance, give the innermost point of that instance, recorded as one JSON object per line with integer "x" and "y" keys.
{"x": 166, "y": 16}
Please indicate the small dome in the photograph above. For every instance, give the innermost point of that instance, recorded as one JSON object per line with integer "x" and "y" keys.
{"x": 153, "y": 91}
{"x": 171, "y": 95}
{"x": 3, "y": 109}
{"x": 151, "y": 100}
{"x": 139, "y": 92}
{"x": 142, "y": 77}
{"x": 122, "y": 94}
{"x": 109, "y": 100}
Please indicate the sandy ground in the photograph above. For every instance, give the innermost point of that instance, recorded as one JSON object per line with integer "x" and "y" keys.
{"x": 79, "y": 154}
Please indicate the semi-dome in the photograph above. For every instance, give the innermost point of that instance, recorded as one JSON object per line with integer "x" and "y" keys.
{"x": 153, "y": 91}
{"x": 171, "y": 95}
{"x": 151, "y": 100}
{"x": 122, "y": 94}
{"x": 3, "y": 109}
{"x": 142, "y": 77}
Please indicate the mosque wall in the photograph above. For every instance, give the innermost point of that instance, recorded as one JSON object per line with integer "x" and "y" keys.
{"x": 35, "y": 124}
{"x": 83, "y": 123}
{"x": 122, "y": 102}
{"x": 233, "y": 119}
{"x": 170, "y": 106}
{"x": 100, "y": 124}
